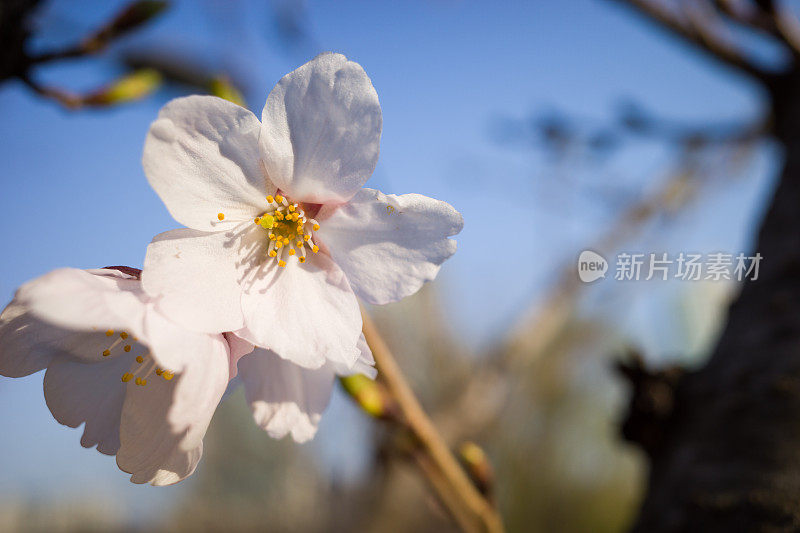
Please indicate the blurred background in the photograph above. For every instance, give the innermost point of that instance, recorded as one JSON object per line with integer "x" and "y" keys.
{"x": 576, "y": 121}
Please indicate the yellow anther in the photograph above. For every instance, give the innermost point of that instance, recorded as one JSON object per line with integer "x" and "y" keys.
{"x": 270, "y": 199}
{"x": 256, "y": 220}
{"x": 123, "y": 335}
{"x": 278, "y": 215}
{"x": 299, "y": 243}
{"x": 266, "y": 221}
{"x": 291, "y": 207}
{"x": 139, "y": 359}
{"x": 273, "y": 253}
{"x": 291, "y": 252}
{"x": 138, "y": 381}
{"x": 316, "y": 227}
{"x": 127, "y": 348}
{"x": 301, "y": 259}
{"x": 167, "y": 375}
{"x": 279, "y": 244}
{"x": 281, "y": 263}
{"x": 272, "y": 236}
{"x": 221, "y": 216}
{"x": 106, "y": 353}
{"x": 315, "y": 249}
{"x": 159, "y": 371}
{"x": 286, "y": 240}
{"x": 278, "y": 198}
{"x": 307, "y": 237}
{"x": 126, "y": 377}
{"x": 109, "y": 332}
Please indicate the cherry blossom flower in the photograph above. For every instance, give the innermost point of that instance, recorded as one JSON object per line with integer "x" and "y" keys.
{"x": 145, "y": 388}
{"x": 280, "y": 234}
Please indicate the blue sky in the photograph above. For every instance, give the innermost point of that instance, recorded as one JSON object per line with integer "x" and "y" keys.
{"x": 73, "y": 192}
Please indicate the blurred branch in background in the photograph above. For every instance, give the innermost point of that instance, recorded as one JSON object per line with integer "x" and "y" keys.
{"x": 146, "y": 70}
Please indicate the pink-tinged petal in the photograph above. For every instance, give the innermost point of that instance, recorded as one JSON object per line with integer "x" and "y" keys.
{"x": 78, "y": 392}
{"x": 285, "y": 398}
{"x": 389, "y": 245}
{"x": 163, "y": 422}
{"x": 364, "y": 365}
{"x": 193, "y": 277}
{"x": 238, "y": 348}
{"x": 75, "y": 299}
{"x": 201, "y": 156}
{"x": 321, "y": 130}
{"x": 306, "y": 313}
{"x": 26, "y": 343}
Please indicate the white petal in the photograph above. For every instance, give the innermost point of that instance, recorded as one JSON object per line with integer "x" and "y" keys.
{"x": 238, "y": 348}
{"x": 306, "y": 313}
{"x": 26, "y": 343}
{"x": 285, "y": 398}
{"x": 76, "y": 299}
{"x": 389, "y": 245}
{"x": 193, "y": 276}
{"x": 163, "y": 423}
{"x": 201, "y": 156}
{"x": 321, "y": 130}
{"x": 365, "y": 364}
{"x": 79, "y": 392}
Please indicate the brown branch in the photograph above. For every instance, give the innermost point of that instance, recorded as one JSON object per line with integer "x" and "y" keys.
{"x": 788, "y": 26}
{"x": 128, "y": 19}
{"x": 696, "y": 34}
{"x": 452, "y": 484}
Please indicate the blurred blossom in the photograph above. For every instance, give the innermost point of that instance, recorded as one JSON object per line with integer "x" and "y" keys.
{"x": 145, "y": 388}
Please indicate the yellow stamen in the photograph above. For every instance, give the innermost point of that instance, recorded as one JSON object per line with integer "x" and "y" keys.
{"x": 139, "y": 359}
{"x": 123, "y": 335}
{"x": 270, "y": 199}
{"x": 126, "y": 377}
{"x": 109, "y": 332}
{"x": 221, "y": 216}
{"x": 301, "y": 259}
{"x": 127, "y": 348}
{"x": 106, "y": 353}
{"x": 281, "y": 263}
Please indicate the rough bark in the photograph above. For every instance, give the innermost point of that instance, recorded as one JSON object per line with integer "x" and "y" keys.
{"x": 729, "y": 459}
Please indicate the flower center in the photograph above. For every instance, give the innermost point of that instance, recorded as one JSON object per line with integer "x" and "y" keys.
{"x": 290, "y": 230}
{"x": 146, "y": 363}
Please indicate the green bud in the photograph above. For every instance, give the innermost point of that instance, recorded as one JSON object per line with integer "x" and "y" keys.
{"x": 133, "y": 86}
{"x": 222, "y": 87}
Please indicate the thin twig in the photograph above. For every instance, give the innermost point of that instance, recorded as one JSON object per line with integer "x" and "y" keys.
{"x": 699, "y": 36}
{"x": 460, "y": 494}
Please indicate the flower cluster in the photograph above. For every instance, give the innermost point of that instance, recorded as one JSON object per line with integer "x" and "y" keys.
{"x": 280, "y": 239}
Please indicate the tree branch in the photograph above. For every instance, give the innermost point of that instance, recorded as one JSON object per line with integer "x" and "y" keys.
{"x": 468, "y": 506}
{"x": 697, "y": 34}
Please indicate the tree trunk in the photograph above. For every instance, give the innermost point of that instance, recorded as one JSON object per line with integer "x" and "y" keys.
{"x": 729, "y": 459}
